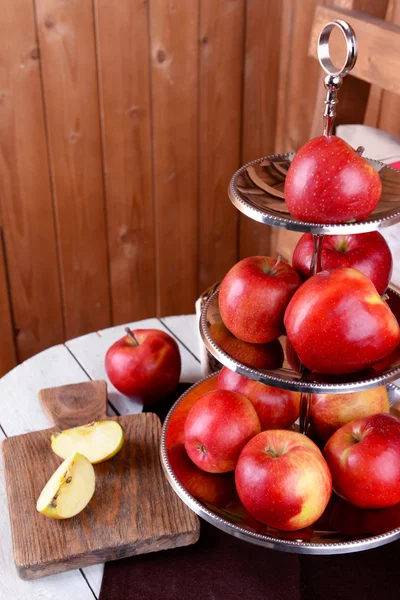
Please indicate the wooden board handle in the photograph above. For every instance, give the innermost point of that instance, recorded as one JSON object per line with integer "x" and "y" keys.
{"x": 77, "y": 404}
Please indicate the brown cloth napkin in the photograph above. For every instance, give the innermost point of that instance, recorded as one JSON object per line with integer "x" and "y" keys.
{"x": 221, "y": 567}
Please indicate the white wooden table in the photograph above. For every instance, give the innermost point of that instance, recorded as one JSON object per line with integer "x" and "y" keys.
{"x": 78, "y": 360}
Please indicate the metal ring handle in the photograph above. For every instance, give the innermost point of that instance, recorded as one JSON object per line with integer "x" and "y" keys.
{"x": 323, "y": 48}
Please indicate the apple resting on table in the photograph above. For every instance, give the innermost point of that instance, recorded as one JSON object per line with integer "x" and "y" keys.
{"x": 337, "y": 323}
{"x": 367, "y": 252}
{"x": 364, "y": 459}
{"x": 283, "y": 480}
{"x": 329, "y": 412}
{"x": 328, "y": 182}
{"x": 145, "y": 364}
{"x": 216, "y": 429}
{"x": 254, "y": 295}
{"x": 276, "y": 408}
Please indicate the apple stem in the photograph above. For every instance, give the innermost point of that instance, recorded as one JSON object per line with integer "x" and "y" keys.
{"x": 360, "y": 150}
{"x": 131, "y": 335}
{"x": 276, "y": 265}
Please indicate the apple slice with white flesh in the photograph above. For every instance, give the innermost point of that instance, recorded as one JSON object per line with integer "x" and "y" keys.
{"x": 97, "y": 441}
{"x": 69, "y": 489}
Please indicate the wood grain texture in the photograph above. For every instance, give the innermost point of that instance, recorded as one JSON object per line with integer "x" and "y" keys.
{"x": 372, "y": 114}
{"x": 260, "y": 105}
{"x": 26, "y": 203}
{"x": 58, "y": 587}
{"x": 8, "y": 357}
{"x": 221, "y": 73}
{"x": 75, "y": 404}
{"x": 174, "y": 72}
{"x": 298, "y": 76}
{"x": 21, "y": 412}
{"x": 133, "y": 510}
{"x": 68, "y": 55}
{"x": 186, "y": 329}
{"x": 123, "y": 49}
{"x": 389, "y": 107}
{"x": 356, "y": 96}
{"x": 378, "y": 45}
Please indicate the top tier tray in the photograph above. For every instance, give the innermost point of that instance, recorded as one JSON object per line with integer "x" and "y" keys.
{"x": 256, "y": 189}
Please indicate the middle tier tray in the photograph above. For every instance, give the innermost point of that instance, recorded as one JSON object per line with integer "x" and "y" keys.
{"x": 286, "y": 371}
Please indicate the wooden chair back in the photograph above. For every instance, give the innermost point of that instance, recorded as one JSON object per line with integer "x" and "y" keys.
{"x": 378, "y": 64}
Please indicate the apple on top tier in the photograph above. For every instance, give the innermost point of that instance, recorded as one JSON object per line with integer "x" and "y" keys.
{"x": 254, "y": 295}
{"x": 367, "y": 252}
{"x": 328, "y": 182}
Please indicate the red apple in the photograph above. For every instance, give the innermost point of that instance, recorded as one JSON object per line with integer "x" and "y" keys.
{"x": 236, "y": 513}
{"x": 215, "y": 489}
{"x": 367, "y": 252}
{"x": 283, "y": 480}
{"x": 253, "y": 297}
{"x": 216, "y": 429}
{"x": 328, "y": 182}
{"x": 146, "y": 365}
{"x": 257, "y": 356}
{"x": 175, "y": 430}
{"x": 353, "y": 521}
{"x": 329, "y": 412}
{"x": 337, "y": 323}
{"x": 364, "y": 459}
{"x": 276, "y": 408}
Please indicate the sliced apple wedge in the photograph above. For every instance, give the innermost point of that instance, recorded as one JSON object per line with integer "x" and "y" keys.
{"x": 97, "y": 441}
{"x": 69, "y": 489}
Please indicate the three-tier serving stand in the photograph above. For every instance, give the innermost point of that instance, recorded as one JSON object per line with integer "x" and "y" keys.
{"x": 256, "y": 190}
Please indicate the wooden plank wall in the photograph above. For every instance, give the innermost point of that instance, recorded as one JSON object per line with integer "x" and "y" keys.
{"x": 120, "y": 126}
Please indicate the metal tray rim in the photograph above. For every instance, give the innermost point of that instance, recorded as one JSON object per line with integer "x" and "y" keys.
{"x": 295, "y": 385}
{"x": 302, "y": 226}
{"x": 266, "y": 541}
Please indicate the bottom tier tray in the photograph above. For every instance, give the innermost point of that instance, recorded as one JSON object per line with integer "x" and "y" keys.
{"x": 341, "y": 529}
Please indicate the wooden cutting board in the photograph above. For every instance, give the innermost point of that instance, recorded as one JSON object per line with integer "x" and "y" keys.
{"x": 133, "y": 510}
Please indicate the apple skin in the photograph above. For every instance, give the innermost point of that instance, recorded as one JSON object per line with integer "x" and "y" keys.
{"x": 211, "y": 488}
{"x": 253, "y": 297}
{"x": 258, "y": 356}
{"x": 328, "y": 182}
{"x": 148, "y": 370}
{"x": 337, "y": 323}
{"x": 175, "y": 430}
{"x": 329, "y": 412}
{"x": 367, "y": 252}
{"x": 276, "y": 408}
{"x": 217, "y": 428}
{"x": 364, "y": 459}
{"x": 283, "y": 480}
{"x": 353, "y": 521}
{"x": 235, "y": 512}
